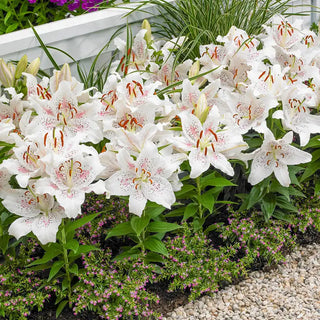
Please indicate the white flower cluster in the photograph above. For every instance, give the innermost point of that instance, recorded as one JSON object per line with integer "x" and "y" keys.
{"x": 201, "y": 120}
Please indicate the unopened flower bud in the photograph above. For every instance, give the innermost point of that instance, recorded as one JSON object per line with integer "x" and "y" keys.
{"x": 146, "y": 26}
{"x": 6, "y": 76}
{"x": 62, "y": 75}
{"x": 194, "y": 70}
{"x": 33, "y": 67}
{"x": 21, "y": 66}
{"x": 202, "y": 110}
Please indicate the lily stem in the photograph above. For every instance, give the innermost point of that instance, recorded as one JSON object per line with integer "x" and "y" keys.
{"x": 66, "y": 260}
{"x": 198, "y": 181}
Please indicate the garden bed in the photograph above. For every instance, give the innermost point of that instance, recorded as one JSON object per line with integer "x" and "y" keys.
{"x": 160, "y": 178}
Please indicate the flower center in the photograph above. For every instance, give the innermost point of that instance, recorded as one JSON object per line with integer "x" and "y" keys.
{"x": 66, "y": 112}
{"x": 108, "y": 99}
{"x": 207, "y": 140}
{"x": 244, "y": 112}
{"x": 68, "y": 171}
{"x": 129, "y": 123}
{"x": 142, "y": 176}
{"x": 56, "y": 141}
{"x": 275, "y": 154}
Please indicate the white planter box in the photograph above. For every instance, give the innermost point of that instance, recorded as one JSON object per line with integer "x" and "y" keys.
{"x": 82, "y": 37}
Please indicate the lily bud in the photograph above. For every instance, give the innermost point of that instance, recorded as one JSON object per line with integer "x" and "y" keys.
{"x": 146, "y": 26}
{"x": 61, "y": 75}
{"x": 201, "y": 109}
{"x": 33, "y": 67}
{"x": 6, "y": 75}
{"x": 194, "y": 70}
{"x": 21, "y": 66}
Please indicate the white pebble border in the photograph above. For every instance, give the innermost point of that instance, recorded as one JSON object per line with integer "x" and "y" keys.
{"x": 289, "y": 292}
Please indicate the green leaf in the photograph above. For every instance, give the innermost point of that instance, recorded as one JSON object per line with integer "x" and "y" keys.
{"x": 12, "y": 27}
{"x": 212, "y": 227}
{"x": 283, "y": 203}
{"x": 128, "y": 253}
{"x": 214, "y": 181}
{"x": 74, "y": 269}
{"x": 7, "y": 17}
{"x": 207, "y": 200}
{"x": 316, "y": 154}
{"x": 153, "y": 210}
{"x": 155, "y": 245}
{"x": 60, "y": 308}
{"x": 121, "y": 229}
{"x": 277, "y": 187}
{"x": 73, "y": 245}
{"x": 317, "y": 188}
{"x": 161, "y": 226}
{"x": 184, "y": 190}
{"x": 268, "y": 205}
{"x": 255, "y": 196}
{"x": 75, "y": 224}
{"x": 6, "y": 144}
{"x": 153, "y": 257}
{"x": 48, "y": 255}
{"x": 295, "y": 192}
{"x": 4, "y": 241}
{"x": 283, "y": 216}
{"x": 138, "y": 224}
{"x": 40, "y": 267}
{"x": 176, "y": 212}
{"x": 3, "y": 7}
{"x": 57, "y": 265}
{"x": 313, "y": 142}
{"x": 65, "y": 283}
{"x": 190, "y": 210}
{"x": 310, "y": 170}
{"x": 86, "y": 248}
{"x": 198, "y": 223}
{"x": 44, "y": 48}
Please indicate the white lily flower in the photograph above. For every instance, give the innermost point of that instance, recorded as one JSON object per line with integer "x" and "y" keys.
{"x": 211, "y": 143}
{"x": 295, "y": 114}
{"x": 213, "y": 57}
{"x": 139, "y": 53}
{"x": 4, "y": 182}
{"x": 239, "y": 45}
{"x": 266, "y": 79}
{"x": 26, "y": 163}
{"x": 70, "y": 177}
{"x": 12, "y": 108}
{"x": 39, "y": 214}
{"x": 250, "y": 112}
{"x": 166, "y": 73}
{"x": 64, "y": 112}
{"x": 274, "y": 156}
{"x": 282, "y": 33}
{"x": 143, "y": 179}
{"x": 6, "y": 127}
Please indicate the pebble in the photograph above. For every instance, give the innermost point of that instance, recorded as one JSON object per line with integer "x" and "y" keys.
{"x": 289, "y": 292}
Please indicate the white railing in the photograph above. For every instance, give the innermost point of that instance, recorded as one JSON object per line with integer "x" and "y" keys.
{"x": 82, "y": 37}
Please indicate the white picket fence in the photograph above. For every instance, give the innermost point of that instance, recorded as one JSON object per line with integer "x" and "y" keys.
{"x": 82, "y": 37}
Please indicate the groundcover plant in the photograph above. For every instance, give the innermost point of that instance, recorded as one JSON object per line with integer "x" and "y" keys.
{"x": 167, "y": 137}
{"x": 16, "y": 15}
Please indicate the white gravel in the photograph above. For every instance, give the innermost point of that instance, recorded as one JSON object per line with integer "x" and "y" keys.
{"x": 289, "y": 292}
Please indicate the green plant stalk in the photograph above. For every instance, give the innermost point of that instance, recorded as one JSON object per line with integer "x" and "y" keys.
{"x": 66, "y": 260}
{"x": 141, "y": 241}
{"x": 198, "y": 181}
